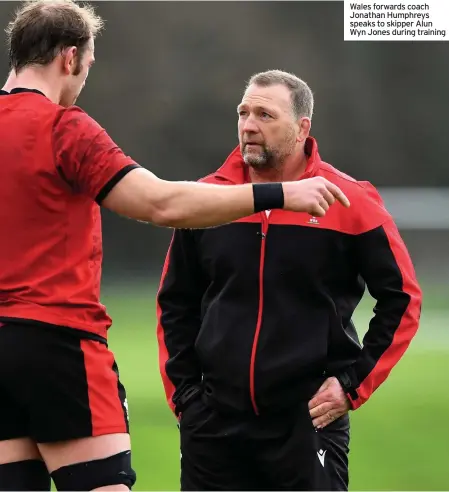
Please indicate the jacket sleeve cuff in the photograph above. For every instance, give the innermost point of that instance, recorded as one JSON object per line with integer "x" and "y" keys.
{"x": 349, "y": 382}
{"x": 187, "y": 396}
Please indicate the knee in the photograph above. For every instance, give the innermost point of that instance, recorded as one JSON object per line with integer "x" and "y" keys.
{"x": 24, "y": 475}
{"x": 89, "y": 475}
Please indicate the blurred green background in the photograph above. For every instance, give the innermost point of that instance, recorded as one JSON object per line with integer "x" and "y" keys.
{"x": 399, "y": 438}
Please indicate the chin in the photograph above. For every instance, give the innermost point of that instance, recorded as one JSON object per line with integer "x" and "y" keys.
{"x": 256, "y": 163}
{"x": 255, "y": 160}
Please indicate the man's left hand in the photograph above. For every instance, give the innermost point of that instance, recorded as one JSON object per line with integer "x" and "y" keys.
{"x": 329, "y": 403}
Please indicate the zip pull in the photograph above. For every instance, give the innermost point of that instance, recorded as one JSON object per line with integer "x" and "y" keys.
{"x": 263, "y": 225}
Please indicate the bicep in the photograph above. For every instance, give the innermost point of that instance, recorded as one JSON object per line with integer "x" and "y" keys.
{"x": 134, "y": 195}
{"x": 181, "y": 289}
{"x": 182, "y": 278}
{"x": 385, "y": 264}
{"x": 376, "y": 260}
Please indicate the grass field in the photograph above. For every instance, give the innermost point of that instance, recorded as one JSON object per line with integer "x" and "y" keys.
{"x": 399, "y": 439}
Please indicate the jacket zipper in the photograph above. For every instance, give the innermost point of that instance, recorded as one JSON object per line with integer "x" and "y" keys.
{"x": 259, "y": 314}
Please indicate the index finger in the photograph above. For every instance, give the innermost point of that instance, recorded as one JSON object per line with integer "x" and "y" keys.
{"x": 338, "y": 194}
{"x": 318, "y": 399}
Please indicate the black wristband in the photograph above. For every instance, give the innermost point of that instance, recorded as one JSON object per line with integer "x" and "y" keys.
{"x": 268, "y": 196}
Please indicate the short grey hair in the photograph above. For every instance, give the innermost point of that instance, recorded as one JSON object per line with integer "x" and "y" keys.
{"x": 301, "y": 94}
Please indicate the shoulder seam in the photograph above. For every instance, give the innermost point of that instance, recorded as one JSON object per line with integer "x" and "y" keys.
{"x": 342, "y": 176}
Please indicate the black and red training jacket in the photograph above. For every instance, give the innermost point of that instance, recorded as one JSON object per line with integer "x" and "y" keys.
{"x": 257, "y": 313}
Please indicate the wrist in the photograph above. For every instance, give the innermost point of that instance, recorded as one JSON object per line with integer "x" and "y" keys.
{"x": 190, "y": 394}
{"x": 268, "y": 196}
{"x": 347, "y": 383}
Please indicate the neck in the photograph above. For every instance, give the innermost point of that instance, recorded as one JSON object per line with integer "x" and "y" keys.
{"x": 33, "y": 78}
{"x": 290, "y": 170}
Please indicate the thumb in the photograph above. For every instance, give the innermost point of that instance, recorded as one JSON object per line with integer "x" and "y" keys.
{"x": 315, "y": 400}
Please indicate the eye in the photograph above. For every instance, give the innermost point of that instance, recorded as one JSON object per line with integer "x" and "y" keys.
{"x": 242, "y": 112}
{"x": 265, "y": 115}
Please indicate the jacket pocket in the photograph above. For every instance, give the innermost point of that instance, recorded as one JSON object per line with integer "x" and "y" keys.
{"x": 196, "y": 415}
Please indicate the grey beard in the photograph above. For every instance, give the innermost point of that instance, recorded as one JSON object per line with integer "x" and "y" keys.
{"x": 265, "y": 160}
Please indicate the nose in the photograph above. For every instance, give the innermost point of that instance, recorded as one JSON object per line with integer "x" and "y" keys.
{"x": 249, "y": 125}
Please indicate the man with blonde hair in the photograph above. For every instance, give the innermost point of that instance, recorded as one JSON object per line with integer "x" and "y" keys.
{"x": 64, "y": 411}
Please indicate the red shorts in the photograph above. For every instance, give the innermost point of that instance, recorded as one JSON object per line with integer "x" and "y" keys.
{"x": 56, "y": 385}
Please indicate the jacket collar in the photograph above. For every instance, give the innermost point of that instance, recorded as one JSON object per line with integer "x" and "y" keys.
{"x": 235, "y": 170}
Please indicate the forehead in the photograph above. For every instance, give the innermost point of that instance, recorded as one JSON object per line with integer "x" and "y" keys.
{"x": 274, "y": 96}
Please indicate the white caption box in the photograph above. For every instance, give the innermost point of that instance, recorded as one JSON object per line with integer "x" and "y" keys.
{"x": 396, "y": 21}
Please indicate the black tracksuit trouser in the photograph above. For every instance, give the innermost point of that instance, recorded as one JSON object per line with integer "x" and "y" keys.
{"x": 281, "y": 451}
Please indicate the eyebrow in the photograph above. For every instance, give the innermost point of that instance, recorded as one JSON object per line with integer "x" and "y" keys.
{"x": 244, "y": 105}
{"x": 259, "y": 107}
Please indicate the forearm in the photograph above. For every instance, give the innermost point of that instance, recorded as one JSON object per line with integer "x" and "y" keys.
{"x": 383, "y": 347}
{"x": 388, "y": 270}
{"x": 198, "y": 205}
{"x": 181, "y": 375}
{"x": 184, "y": 205}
